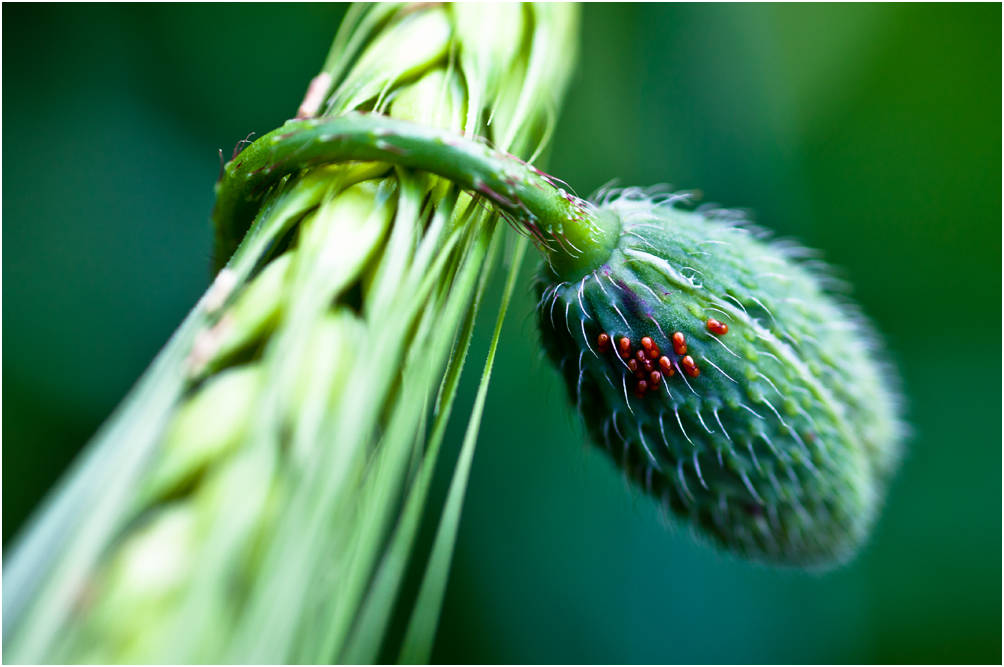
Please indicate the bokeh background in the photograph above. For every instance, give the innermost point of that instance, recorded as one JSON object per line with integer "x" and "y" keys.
{"x": 868, "y": 131}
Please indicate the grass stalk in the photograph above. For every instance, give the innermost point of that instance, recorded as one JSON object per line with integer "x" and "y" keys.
{"x": 257, "y": 496}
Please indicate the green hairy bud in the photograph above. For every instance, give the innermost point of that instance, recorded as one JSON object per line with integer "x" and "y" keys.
{"x": 721, "y": 377}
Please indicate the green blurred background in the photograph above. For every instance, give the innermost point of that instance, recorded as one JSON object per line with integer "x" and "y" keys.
{"x": 868, "y": 131}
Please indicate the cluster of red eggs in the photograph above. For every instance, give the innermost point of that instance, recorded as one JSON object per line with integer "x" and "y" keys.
{"x": 648, "y": 363}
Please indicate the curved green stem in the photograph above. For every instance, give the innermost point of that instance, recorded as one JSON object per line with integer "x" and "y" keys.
{"x": 575, "y": 238}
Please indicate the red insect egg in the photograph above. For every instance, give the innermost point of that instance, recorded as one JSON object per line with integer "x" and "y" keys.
{"x": 641, "y": 388}
{"x": 679, "y": 343}
{"x": 655, "y": 377}
{"x": 604, "y": 343}
{"x": 654, "y": 352}
{"x": 717, "y": 328}
{"x": 647, "y": 365}
{"x": 625, "y": 347}
{"x": 632, "y": 365}
{"x": 667, "y": 366}
{"x": 689, "y": 367}
{"x": 647, "y": 343}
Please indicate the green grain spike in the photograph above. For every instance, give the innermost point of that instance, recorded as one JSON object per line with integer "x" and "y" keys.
{"x": 240, "y": 507}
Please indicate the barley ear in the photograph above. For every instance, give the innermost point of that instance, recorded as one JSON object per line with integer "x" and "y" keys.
{"x": 256, "y": 496}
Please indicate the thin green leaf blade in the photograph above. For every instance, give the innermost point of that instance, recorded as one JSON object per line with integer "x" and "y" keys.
{"x": 421, "y": 631}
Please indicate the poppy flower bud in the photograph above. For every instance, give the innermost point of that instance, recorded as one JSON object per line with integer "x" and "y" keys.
{"x": 773, "y": 425}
